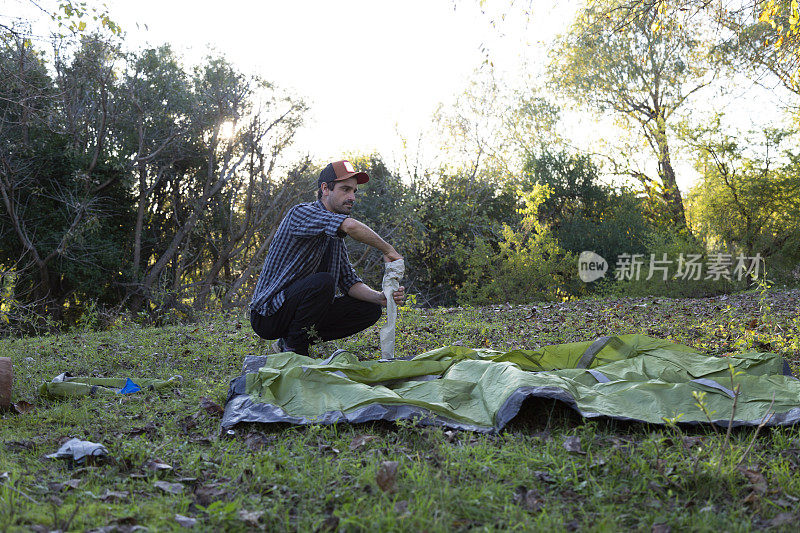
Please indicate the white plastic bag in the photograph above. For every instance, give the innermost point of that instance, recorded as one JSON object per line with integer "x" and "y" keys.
{"x": 391, "y": 282}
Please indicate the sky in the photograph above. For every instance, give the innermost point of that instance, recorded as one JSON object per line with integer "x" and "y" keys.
{"x": 373, "y": 72}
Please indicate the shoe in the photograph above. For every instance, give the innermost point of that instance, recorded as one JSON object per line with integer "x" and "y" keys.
{"x": 279, "y": 346}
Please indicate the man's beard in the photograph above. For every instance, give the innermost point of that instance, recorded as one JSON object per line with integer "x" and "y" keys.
{"x": 344, "y": 209}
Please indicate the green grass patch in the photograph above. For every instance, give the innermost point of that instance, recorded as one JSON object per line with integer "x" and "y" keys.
{"x": 169, "y": 466}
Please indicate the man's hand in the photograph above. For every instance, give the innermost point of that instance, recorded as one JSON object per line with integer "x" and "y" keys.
{"x": 392, "y": 256}
{"x": 399, "y": 295}
{"x": 360, "y": 291}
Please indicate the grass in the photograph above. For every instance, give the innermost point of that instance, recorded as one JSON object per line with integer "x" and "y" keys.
{"x": 622, "y": 476}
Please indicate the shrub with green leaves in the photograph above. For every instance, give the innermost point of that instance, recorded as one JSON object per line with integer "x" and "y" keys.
{"x": 530, "y": 263}
{"x": 665, "y": 270}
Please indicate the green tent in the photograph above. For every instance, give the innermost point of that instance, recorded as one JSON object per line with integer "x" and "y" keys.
{"x": 630, "y": 377}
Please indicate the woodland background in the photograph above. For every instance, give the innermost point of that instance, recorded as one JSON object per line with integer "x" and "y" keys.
{"x": 132, "y": 184}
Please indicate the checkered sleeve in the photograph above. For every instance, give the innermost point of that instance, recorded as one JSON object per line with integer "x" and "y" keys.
{"x": 307, "y": 221}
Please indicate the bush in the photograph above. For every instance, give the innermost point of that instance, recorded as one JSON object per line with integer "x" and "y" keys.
{"x": 530, "y": 264}
{"x": 676, "y": 253}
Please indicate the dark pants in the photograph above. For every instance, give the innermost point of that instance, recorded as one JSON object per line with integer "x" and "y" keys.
{"x": 310, "y": 303}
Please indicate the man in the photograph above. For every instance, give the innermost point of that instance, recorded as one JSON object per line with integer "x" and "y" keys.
{"x": 307, "y": 261}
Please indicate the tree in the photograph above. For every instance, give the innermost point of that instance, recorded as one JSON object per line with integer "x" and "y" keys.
{"x": 766, "y": 40}
{"x": 126, "y": 180}
{"x": 61, "y": 180}
{"x": 747, "y": 201}
{"x": 643, "y": 71}
{"x": 386, "y": 205}
{"x": 766, "y": 33}
{"x": 462, "y": 207}
{"x": 214, "y": 200}
{"x": 582, "y": 213}
{"x": 155, "y": 107}
{"x": 454, "y": 212}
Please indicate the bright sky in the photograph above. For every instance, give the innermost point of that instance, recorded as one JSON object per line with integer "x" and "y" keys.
{"x": 370, "y": 70}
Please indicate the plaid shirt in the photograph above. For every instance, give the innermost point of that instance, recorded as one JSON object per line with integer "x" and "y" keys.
{"x": 296, "y": 252}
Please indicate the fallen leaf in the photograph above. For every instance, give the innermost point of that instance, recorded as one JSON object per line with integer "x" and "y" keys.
{"x": 22, "y": 407}
{"x": 185, "y": 521}
{"x": 360, "y": 441}
{"x": 782, "y": 519}
{"x": 187, "y": 423}
{"x": 113, "y": 495}
{"x": 211, "y": 407}
{"x": 69, "y": 484}
{"x": 19, "y": 445}
{"x": 208, "y": 494}
{"x": 387, "y": 476}
{"x": 751, "y": 498}
{"x": 756, "y": 479}
{"x": 661, "y": 528}
{"x": 327, "y": 448}
{"x": 529, "y": 499}
{"x": 331, "y": 523}
{"x": 692, "y": 441}
{"x": 149, "y": 429}
{"x": 256, "y": 441}
{"x": 251, "y": 518}
{"x": 450, "y": 435}
{"x": 172, "y": 488}
{"x": 573, "y": 445}
{"x": 157, "y": 465}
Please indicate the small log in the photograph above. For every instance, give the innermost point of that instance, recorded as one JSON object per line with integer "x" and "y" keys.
{"x": 6, "y": 382}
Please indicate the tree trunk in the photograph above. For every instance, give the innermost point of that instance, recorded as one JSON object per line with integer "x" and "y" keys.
{"x": 672, "y": 194}
{"x": 137, "y": 236}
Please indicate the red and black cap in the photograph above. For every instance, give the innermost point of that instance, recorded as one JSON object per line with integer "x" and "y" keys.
{"x": 341, "y": 170}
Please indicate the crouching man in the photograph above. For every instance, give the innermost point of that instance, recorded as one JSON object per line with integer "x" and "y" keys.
{"x": 307, "y": 261}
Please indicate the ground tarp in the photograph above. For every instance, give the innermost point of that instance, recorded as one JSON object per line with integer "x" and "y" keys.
{"x": 630, "y": 377}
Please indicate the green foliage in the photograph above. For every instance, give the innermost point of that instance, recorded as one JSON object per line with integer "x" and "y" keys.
{"x": 74, "y": 14}
{"x": 763, "y": 39}
{"x": 386, "y": 205}
{"x": 748, "y": 197}
{"x": 118, "y": 186}
{"x": 65, "y": 237}
{"x": 675, "y": 253}
{"x": 529, "y": 265}
{"x": 584, "y": 214}
{"x": 455, "y": 215}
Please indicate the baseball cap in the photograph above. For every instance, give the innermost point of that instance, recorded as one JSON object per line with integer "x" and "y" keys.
{"x": 341, "y": 170}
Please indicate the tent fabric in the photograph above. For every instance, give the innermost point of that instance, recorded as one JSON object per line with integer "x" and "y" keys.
{"x": 628, "y": 377}
{"x": 67, "y": 386}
